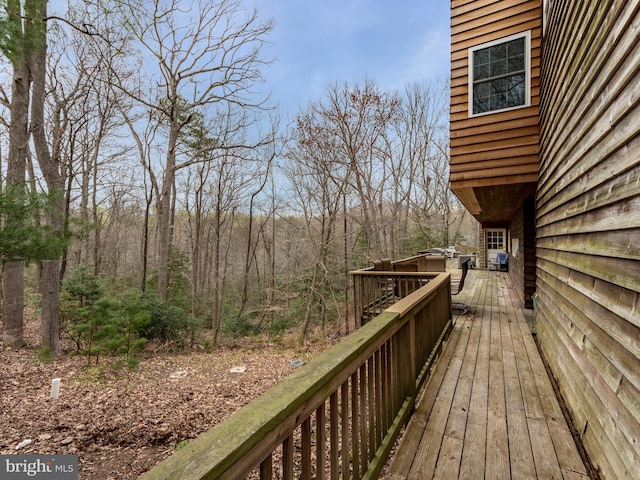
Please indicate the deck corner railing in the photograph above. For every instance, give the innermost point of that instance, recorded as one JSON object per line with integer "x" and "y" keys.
{"x": 375, "y": 290}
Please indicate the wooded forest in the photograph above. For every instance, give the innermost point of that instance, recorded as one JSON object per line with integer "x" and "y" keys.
{"x": 152, "y": 192}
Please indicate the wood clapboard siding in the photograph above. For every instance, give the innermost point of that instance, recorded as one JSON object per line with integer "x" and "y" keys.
{"x": 522, "y": 269}
{"x": 598, "y": 98}
{"x": 588, "y": 223}
{"x": 499, "y": 149}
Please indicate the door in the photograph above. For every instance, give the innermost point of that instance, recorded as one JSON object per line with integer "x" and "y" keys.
{"x": 495, "y": 241}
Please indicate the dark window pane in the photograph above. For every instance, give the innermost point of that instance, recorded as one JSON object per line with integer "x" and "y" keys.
{"x": 516, "y": 63}
{"x": 498, "y": 52}
{"x": 480, "y": 105}
{"x": 498, "y": 85}
{"x": 499, "y": 67}
{"x": 498, "y": 101}
{"x": 483, "y": 89}
{"x": 481, "y": 56}
{"x": 516, "y": 47}
{"x": 516, "y": 91}
{"x": 480, "y": 72}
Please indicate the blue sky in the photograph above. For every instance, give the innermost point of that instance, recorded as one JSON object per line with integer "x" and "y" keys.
{"x": 316, "y": 43}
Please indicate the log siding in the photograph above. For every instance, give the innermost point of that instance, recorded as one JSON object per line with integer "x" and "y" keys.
{"x": 588, "y": 223}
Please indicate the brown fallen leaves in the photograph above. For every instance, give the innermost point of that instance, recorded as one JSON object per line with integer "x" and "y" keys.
{"x": 122, "y": 423}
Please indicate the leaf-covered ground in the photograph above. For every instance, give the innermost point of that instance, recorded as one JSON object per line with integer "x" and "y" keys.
{"x": 121, "y": 423}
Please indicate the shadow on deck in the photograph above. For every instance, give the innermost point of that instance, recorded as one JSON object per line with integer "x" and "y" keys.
{"x": 489, "y": 406}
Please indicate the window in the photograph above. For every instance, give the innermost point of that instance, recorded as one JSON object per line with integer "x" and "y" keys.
{"x": 495, "y": 239}
{"x": 499, "y": 75}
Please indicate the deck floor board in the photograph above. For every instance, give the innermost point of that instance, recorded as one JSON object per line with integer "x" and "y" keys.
{"x": 489, "y": 407}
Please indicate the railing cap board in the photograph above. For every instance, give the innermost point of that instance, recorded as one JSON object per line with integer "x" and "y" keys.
{"x": 421, "y": 296}
{"x": 392, "y": 273}
{"x": 402, "y": 261}
{"x": 411, "y": 259}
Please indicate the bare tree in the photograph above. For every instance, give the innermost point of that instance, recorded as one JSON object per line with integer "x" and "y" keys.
{"x": 217, "y": 185}
{"x": 83, "y": 128}
{"x": 204, "y": 54}
{"x": 54, "y": 174}
{"x": 144, "y": 141}
{"x": 422, "y": 136}
{"x": 319, "y": 178}
{"x": 360, "y": 118}
{"x": 262, "y": 176}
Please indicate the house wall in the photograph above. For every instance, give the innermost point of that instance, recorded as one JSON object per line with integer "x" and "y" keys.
{"x": 500, "y": 148}
{"x": 588, "y": 223}
{"x": 522, "y": 263}
{"x": 481, "y": 258}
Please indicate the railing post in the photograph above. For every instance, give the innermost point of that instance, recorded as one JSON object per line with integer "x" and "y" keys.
{"x": 407, "y": 359}
{"x": 413, "y": 354}
{"x": 358, "y": 292}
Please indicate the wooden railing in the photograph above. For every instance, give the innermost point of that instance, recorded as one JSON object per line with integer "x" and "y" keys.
{"x": 338, "y": 416}
{"x": 375, "y": 291}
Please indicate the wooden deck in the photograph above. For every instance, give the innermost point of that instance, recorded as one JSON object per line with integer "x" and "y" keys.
{"x": 489, "y": 410}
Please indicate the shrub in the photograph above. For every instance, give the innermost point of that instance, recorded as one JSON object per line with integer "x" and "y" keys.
{"x": 238, "y": 326}
{"x": 168, "y": 323}
{"x": 96, "y": 329}
{"x": 80, "y": 290}
{"x": 97, "y": 323}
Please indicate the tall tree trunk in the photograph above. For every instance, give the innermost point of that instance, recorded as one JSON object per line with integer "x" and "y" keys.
{"x": 164, "y": 220}
{"x": 196, "y": 241}
{"x": 13, "y": 304}
{"x": 345, "y": 246}
{"x": 216, "y": 310}
{"x": 13, "y": 271}
{"x": 52, "y": 172}
{"x": 251, "y": 248}
{"x": 145, "y": 240}
{"x": 49, "y": 282}
{"x": 165, "y": 214}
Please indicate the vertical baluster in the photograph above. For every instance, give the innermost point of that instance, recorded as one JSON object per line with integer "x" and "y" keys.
{"x": 384, "y": 387}
{"x": 266, "y": 468}
{"x": 371, "y": 408}
{"x": 362, "y": 387}
{"x": 380, "y": 427}
{"x": 321, "y": 442}
{"x": 333, "y": 435}
{"x": 287, "y": 458}
{"x": 410, "y": 349}
{"x": 306, "y": 449}
{"x": 355, "y": 425}
{"x": 422, "y": 338}
{"x": 389, "y": 383}
{"x": 345, "y": 436}
{"x": 395, "y": 369}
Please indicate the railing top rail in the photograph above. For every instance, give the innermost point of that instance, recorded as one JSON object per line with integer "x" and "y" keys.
{"x": 243, "y": 440}
{"x": 410, "y": 259}
{"x": 403, "y": 261}
{"x": 420, "y": 296}
{"x": 393, "y": 273}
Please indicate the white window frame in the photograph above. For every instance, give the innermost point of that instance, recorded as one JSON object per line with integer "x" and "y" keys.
{"x": 527, "y": 70}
